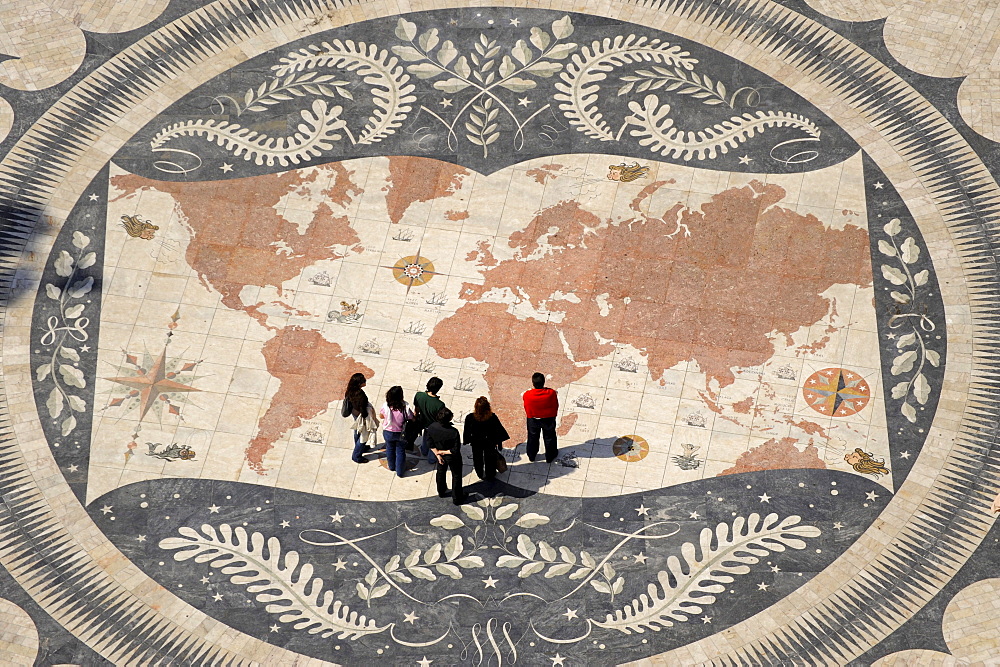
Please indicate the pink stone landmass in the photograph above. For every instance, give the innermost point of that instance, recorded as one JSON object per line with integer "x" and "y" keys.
{"x": 748, "y": 270}
{"x": 240, "y": 240}
{"x": 313, "y": 373}
{"x": 776, "y": 455}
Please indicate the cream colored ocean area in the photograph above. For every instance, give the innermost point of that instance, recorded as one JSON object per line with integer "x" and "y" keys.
{"x": 149, "y": 281}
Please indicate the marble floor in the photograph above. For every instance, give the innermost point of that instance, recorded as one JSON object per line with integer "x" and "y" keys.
{"x": 749, "y": 245}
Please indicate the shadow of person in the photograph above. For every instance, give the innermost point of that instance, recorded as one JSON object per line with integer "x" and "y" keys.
{"x": 571, "y": 461}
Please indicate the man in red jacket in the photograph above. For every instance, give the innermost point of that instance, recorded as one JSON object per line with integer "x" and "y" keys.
{"x": 541, "y": 405}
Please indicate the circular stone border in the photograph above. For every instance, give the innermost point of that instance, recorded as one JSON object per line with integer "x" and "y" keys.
{"x": 929, "y": 529}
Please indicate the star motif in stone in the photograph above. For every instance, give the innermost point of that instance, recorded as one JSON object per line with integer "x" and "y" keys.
{"x": 453, "y": 22}
{"x": 871, "y": 495}
{"x": 226, "y": 167}
{"x": 765, "y": 498}
{"x": 204, "y": 580}
{"x": 557, "y": 661}
{"x": 523, "y": 101}
{"x": 706, "y": 619}
{"x": 570, "y": 614}
{"x": 213, "y": 509}
{"x": 641, "y": 558}
{"x": 891, "y": 336}
{"x": 445, "y": 102}
{"x": 775, "y": 569}
{"x": 490, "y": 582}
{"x": 411, "y": 618}
{"x": 762, "y": 587}
{"x": 642, "y": 510}
{"x": 141, "y": 538}
{"x": 695, "y": 515}
{"x": 285, "y": 524}
{"x": 904, "y": 455}
{"x": 94, "y": 197}
{"x": 85, "y": 348}
{"x": 746, "y": 159}
{"x": 837, "y": 525}
{"x": 73, "y": 467}
{"x": 152, "y": 384}
{"x": 336, "y": 518}
{"x": 341, "y": 564}
{"x": 515, "y": 22}
{"x": 879, "y": 185}
{"x": 106, "y": 509}
{"x": 425, "y": 662}
{"x": 274, "y": 628}
{"x": 217, "y": 597}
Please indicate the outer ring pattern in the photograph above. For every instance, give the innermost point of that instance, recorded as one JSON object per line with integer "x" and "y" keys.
{"x": 928, "y": 531}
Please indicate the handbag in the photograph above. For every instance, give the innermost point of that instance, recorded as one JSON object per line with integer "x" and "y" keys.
{"x": 501, "y": 460}
{"x": 345, "y": 409}
{"x": 411, "y": 429}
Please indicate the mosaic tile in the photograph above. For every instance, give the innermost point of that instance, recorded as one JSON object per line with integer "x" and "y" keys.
{"x": 748, "y": 244}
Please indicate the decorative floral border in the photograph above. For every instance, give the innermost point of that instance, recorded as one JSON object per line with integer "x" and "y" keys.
{"x": 66, "y": 333}
{"x": 910, "y": 324}
{"x": 687, "y": 586}
{"x": 579, "y": 71}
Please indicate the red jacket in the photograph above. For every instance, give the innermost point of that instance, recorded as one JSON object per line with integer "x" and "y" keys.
{"x": 541, "y": 403}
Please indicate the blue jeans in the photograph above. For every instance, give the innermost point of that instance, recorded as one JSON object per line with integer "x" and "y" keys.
{"x": 395, "y": 452}
{"x": 425, "y": 449}
{"x": 359, "y": 448}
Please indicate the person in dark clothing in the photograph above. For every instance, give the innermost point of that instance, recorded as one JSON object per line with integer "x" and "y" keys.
{"x": 445, "y": 442}
{"x": 426, "y": 405}
{"x": 541, "y": 405}
{"x": 485, "y": 434}
{"x": 356, "y": 405}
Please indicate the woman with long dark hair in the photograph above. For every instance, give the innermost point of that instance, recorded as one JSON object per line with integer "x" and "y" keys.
{"x": 486, "y": 435}
{"x": 394, "y": 413}
{"x": 356, "y": 405}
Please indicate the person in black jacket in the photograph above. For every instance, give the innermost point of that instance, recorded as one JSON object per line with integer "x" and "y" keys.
{"x": 446, "y": 443}
{"x": 485, "y": 434}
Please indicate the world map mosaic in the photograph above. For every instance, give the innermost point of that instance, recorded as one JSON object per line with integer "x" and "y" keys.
{"x": 748, "y": 249}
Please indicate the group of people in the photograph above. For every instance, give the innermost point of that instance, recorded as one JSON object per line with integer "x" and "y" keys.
{"x": 430, "y": 420}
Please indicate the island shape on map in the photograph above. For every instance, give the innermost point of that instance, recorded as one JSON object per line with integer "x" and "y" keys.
{"x": 749, "y": 271}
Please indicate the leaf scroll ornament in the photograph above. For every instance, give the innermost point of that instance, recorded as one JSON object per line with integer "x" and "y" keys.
{"x": 316, "y": 134}
{"x": 581, "y": 81}
{"x": 910, "y": 329}
{"x": 65, "y": 329}
{"x": 391, "y": 90}
{"x": 299, "y": 600}
{"x": 691, "y": 582}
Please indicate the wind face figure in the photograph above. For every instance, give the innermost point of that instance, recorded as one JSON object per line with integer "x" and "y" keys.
{"x": 139, "y": 229}
{"x": 625, "y": 173}
{"x": 863, "y": 462}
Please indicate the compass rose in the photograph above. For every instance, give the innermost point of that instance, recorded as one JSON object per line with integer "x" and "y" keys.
{"x": 836, "y": 392}
{"x": 413, "y": 271}
{"x": 152, "y": 383}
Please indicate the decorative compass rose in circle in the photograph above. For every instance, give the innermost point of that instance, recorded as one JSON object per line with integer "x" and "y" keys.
{"x": 836, "y": 392}
{"x": 630, "y": 448}
{"x": 413, "y": 271}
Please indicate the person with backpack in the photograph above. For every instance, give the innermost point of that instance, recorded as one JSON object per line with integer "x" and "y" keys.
{"x": 395, "y": 412}
{"x": 426, "y": 406}
{"x": 356, "y": 405}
